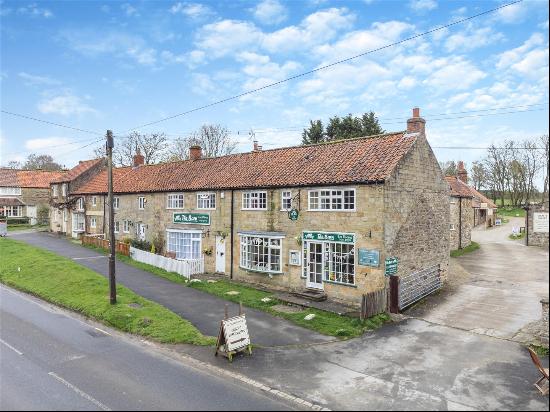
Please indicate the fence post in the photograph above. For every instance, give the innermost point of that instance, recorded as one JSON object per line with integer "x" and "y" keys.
{"x": 394, "y": 294}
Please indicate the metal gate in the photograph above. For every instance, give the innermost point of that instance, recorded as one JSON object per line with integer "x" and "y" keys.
{"x": 418, "y": 285}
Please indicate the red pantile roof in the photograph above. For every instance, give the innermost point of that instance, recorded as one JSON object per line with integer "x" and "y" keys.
{"x": 363, "y": 160}
{"x": 39, "y": 179}
{"x": 461, "y": 189}
{"x": 10, "y": 201}
{"x": 76, "y": 171}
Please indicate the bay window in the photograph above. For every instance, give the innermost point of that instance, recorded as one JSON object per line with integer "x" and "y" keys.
{"x": 78, "y": 222}
{"x": 261, "y": 253}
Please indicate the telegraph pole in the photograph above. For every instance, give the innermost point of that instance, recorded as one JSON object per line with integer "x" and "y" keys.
{"x": 112, "y": 250}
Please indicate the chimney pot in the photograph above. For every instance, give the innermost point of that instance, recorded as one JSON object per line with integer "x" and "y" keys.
{"x": 462, "y": 174}
{"x": 416, "y": 124}
{"x": 195, "y": 152}
{"x": 139, "y": 159}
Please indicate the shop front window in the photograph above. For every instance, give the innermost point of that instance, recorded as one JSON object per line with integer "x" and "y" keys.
{"x": 261, "y": 253}
{"x": 186, "y": 244}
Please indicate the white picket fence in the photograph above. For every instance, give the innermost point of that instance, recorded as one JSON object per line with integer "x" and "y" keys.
{"x": 185, "y": 267}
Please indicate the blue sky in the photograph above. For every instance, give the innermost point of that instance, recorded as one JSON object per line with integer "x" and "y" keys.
{"x": 100, "y": 65}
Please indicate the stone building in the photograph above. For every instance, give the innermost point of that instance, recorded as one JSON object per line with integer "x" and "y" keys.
{"x": 24, "y": 192}
{"x": 322, "y": 217}
{"x": 67, "y": 212}
{"x": 537, "y": 224}
{"x": 461, "y": 213}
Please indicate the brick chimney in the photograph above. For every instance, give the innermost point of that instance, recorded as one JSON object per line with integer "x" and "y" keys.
{"x": 461, "y": 173}
{"x": 416, "y": 124}
{"x": 255, "y": 148}
{"x": 139, "y": 159}
{"x": 195, "y": 152}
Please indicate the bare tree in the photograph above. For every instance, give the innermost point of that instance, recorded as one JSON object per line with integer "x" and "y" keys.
{"x": 213, "y": 139}
{"x": 14, "y": 164}
{"x": 43, "y": 162}
{"x": 544, "y": 155}
{"x": 478, "y": 174}
{"x": 449, "y": 168}
{"x": 497, "y": 164}
{"x": 153, "y": 147}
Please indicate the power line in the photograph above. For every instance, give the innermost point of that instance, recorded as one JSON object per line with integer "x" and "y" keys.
{"x": 328, "y": 65}
{"x": 48, "y": 122}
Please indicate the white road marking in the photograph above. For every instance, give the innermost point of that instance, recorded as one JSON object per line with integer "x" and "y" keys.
{"x": 89, "y": 257}
{"x": 11, "y": 347}
{"x": 78, "y": 391}
{"x": 102, "y": 331}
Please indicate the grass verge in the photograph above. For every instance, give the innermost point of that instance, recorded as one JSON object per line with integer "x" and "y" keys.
{"x": 516, "y": 237}
{"x": 25, "y": 226}
{"x": 511, "y": 211}
{"x": 65, "y": 283}
{"x": 540, "y": 350}
{"x": 327, "y": 323}
{"x": 468, "y": 249}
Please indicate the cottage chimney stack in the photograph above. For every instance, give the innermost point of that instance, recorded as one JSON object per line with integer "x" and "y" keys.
{"x": 462, "y": 174}
{"x": 139, "y": 159}
{"x": 416, "y": 124}
{"x": 195, "y": 152}
{"x": 255, "y": 148}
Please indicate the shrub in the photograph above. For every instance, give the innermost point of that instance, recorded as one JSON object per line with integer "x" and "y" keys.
{"x": 141, "y": 244}
{"x": 43, "y": 215}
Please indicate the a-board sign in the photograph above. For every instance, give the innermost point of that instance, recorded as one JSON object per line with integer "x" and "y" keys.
{"x": 391, "y": 266}
{"x": 540, "y": 222}
{"x": 233, "y": 337}
{"x": 369, "y": 257}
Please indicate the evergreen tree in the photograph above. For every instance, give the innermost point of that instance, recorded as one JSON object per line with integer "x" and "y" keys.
{"x": 315, "y": 134}
{"x": 338, "y": 128}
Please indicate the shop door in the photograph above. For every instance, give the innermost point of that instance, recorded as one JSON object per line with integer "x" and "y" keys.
{"x": 220, "y": 254}
{"x": 315, "y": 265}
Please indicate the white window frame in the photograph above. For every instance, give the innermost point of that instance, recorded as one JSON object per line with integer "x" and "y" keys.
{"x": 9, "y": 211}
{"x": 80, "y": 204}
{"x": 332, "y": 199}
{"x": 196, "y": 235}
{"x": 246, "y": 256}
{"x": 209, "y": 200}
{"x": 10, "y": 191}
{"x": 117, "y": 227}
{"x": 64, "y": 189}
{"x": 93, "y": 222}
{"x": 116, "y": 202}
{"x": 141, "y": 202}
{"x": 79, "y": 222}
{"x": 54, "y": 187}
{"x": 253, "y": 196}
{"x": 94, "y": 200}
{"x": 286, "y": 195}
{"x": 176, "y": 198}
{"x": 126, "y": 226}
{"x": 452, "y": 226}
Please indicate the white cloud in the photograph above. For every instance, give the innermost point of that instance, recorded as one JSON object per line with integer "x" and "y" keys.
{"x": 514, "y": 13}
{"x": 270, "y": 12}
{"x": 530, "y": 59}
{"x": 65, "y": 104}
{"x": 454, "y": 73}
{"x": 129, "y": 10}
{"x": 471, "y": 39}
{"x": 228, "y": 37}
{"x": 533, "y": 63}
{"x": 423, "y": 5}
{"x": 191, "y": 10}
{"x": 32, "y": 79}
{"x": 45, "y": 143}
{"x": 35, "y": 11}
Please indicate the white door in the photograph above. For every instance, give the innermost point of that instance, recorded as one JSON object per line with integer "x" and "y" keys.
{"x": 65, "y": 219}
{"x": 220, "y": 254}
{"x": 141, "y": 231}
{"x": 314, "y": 265}
{"x": 31, "y": 213}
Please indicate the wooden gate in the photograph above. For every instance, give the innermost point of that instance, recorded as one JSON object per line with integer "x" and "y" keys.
{"x": 374, "y": 303}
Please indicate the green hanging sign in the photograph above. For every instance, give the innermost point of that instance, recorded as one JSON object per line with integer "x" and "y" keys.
{"x": 293, "y": 214}
{"x": 192, "y": 218}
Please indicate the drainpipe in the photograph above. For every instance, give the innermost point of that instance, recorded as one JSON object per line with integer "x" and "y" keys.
{"x": 232, "y": 242}
{"x": 103, "y": 229}
{"x": 460, "y": 223}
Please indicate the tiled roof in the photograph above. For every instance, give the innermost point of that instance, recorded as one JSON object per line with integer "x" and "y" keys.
{"x": 39, "y": 179}
{"x": 76, "y": 171}
{"x": 458, "y": 187}
{"x": 10, "y": 201}
{"x": 363, "y": 160}
{"x": 461, "y": 189}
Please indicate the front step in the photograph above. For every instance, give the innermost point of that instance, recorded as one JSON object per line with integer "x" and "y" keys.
{"x": 314, "y": 295}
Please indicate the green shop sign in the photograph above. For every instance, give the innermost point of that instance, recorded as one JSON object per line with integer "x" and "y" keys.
{"x": 329, "y": 237}
{"x": 293, "y": 214}
{"x": 391, "y": 266}
{"x": 192, "y": 218}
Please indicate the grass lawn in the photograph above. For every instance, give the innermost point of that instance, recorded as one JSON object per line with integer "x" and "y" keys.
{"x": 511, "y": 211}
{"x": 324, "y": 322}
{"x": 516, "y": 237}
{"x": 540, "y": 350}
{"x": 65, "y": 283}
{"x": 468, "y": 249}
{"x": 25, "y": 226}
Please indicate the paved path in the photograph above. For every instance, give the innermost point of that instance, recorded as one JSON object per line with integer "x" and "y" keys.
{"x": 202, "y": 309}
{"x": 52, "y": 361}
{"x": 507, "y": 281}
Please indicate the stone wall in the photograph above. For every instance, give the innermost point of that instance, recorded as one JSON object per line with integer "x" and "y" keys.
{"x": 544, "y": 328}
{"x": 536, "y": 238}
{"x": 417, "y": 212}
{"x": 460, "y": 205}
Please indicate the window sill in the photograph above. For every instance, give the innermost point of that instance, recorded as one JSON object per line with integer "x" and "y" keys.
{"x": 263, "y": 272}
{"x": 340, "y": 284}
{"x": 332, "y": 210}
{"x": 255, "y": 210}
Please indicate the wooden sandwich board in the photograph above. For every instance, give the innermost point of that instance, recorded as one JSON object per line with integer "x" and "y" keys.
{"x": 233, "y": 336}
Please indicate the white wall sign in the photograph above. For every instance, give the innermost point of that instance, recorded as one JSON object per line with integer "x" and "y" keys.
{"x": 294, "y": 258}
{"x": 236, "y": 333}
{"x": 540, "y": 222}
